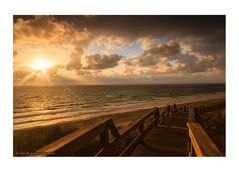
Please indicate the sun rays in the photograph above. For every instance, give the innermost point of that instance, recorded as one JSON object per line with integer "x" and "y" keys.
{"x": 39, "y": 73}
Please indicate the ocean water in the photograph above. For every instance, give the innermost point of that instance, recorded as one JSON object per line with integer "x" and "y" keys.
{"x": 40, "y": 106}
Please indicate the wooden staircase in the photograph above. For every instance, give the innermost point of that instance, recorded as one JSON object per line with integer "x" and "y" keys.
{"x": 166, "y": 139}
{"x": 169, "y": 131}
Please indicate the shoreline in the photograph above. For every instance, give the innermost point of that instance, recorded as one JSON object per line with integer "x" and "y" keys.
{"x": 48, "y": 119}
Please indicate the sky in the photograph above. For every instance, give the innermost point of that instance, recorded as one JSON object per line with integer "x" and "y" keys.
{"x": 102, "y": 50}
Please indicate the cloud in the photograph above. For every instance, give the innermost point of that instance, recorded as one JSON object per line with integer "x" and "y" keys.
{"x": 170, "y": 58}
{"x": 93, "y": 62}
{"x": 75, "y": 59}
{"x": 156, "y": 54}
{"x": 46, "y": 28}
{"x": 148, "y": 42}
{"x": 97, "y": 61}
{"x": 92, "y": 46}
{"x": 20, "y": 75}
{"x": 169, "y": 49}
{"x": 53, "y": 71}
{"x": 109, "y": 42}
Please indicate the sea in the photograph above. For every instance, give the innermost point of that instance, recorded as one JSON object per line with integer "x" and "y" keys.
{"x": 40, "y": 106}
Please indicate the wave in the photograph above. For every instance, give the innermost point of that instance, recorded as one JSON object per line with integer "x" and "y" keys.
{"x": 48, "y": 117}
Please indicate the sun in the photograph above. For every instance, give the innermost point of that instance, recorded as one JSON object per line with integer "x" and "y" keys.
{"x": 41, "y": 64}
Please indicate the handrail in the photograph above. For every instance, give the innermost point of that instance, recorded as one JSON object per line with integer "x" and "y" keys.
{"x": 123, "y": 144}
{"x": 210, "y": 107}
{"x": 166, "y": 112}
{"x": 65, "y": 145}
{"x": 199, "y": 143}
{"x": 192, "y": 114}
{"x": 69, "y": 144}
{"x": 118, "y": 148}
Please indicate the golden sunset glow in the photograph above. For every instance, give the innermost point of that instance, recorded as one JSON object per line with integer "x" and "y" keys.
{"x": 41, "y": 64}
{"x": 72, "y": 50}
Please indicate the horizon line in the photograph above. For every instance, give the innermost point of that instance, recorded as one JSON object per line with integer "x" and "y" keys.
{"x": 114, "y": 84}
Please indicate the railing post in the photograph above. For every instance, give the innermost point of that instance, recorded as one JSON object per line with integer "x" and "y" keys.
{"x": 189, "y": 145}
{"x": 156, "y": 113}
{"x": 114, "y": 131}
{"x": 141, "y": 127}
{"x": 104, "y": 137}
{"x": 197, "y": 115}
{"x": 191, "y": 117}
{"x": 141, "y": 130}
{"x": 191, "y": 151}
{"x": 174, "y": 109}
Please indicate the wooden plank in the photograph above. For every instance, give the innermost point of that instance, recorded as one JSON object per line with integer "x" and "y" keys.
{"x": 201, "y": 142}
{"x": 78, "y": 134}
{"x": 165, "y": 110}
{"x": 114, "y": 131}
{"x": 192, "y": 115}
{"x": 105, "y": 151}
{"x": 139, "y": 138}
{"x": 104, "y": 138}
{"x": 164, "y": 113}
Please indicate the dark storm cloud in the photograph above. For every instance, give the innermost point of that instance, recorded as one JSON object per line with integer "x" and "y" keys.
{"x": 149, "y": 25}
{"x": 211, "y": 28}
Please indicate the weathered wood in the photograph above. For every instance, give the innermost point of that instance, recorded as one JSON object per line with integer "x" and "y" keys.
{"x": 201, "y": 142}
{"x": 173, "y": 109}
{"x": 114, "y": 131}
{"x": 104, "y": 138}
{"x": 210, "y": 107}
{"x": 192, "y": 115}
{"x": 163, "y": 114}
{"x": 107, "y": 151}
{"x": 138, "y": 139}
{"x": 135, "y": 133}
{"x": 70, "y": 140}
{"x": 165, "y": 110}
{"x": 141, "y": 127}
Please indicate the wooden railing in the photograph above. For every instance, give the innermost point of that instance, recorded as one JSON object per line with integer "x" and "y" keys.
{"x": 134, "y": 134}
{"x": 113, "y": 143}
{"x": 199, "y": 143}
{"x": 69, "y": 145}
{"x": 182, "y": 108}
{"x": 121, "y": 144}
{"x": 210, "y": 107}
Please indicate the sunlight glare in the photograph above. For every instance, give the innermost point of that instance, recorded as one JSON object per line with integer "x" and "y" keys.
{"x": 41, "y": 64}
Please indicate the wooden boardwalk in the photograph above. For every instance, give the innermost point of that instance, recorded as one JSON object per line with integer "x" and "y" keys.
{"x": 167, "y": 139}
{"x": 170, "y": 131}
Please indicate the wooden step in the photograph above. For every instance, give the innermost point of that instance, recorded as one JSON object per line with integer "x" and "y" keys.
{"x": 177, "y": 122}
{"x": 163, "y": 141}
{"x": 180, "y": 114}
